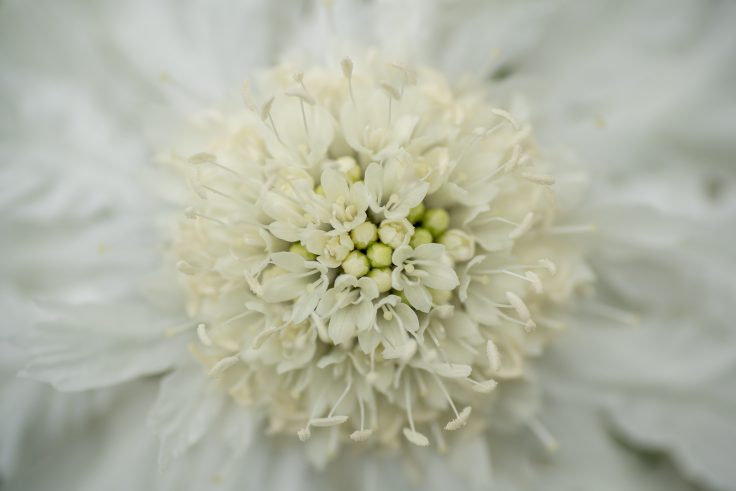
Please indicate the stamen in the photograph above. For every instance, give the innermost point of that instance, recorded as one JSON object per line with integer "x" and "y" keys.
{"x": 549, "y": 265}
{"x": 186, "y": 268}
{"x": 362, "y": 434}
{"x": 494, "y": 357}
{"x": 266, "y": 114}
{"x": 224, "y": 195}
{"x": 248, "y": 97}
{"x": 223, "y": 365}
{"x": 411, "y": 433}
{"x": 304, "y": 434}
{"x": 459, "y": 421}
{"x": 518, "y": 305}
{"x": 203, "y": 336}
{"x": 507, "y": 116}
{"x": 535, "y": 281}
{"x": 543, "y": 434}
{"x": 347, "y": 71}
{"x": 452, "y": 370}
{"x": 523, "y": 227}
{"x": 339, "y": 399}
{"x": 513, "y": 161}
{"x": 328, "y": 421}
{"x": 208, "y": 158}
{"x": 392, "y": 94}
{"x": 538, "y": 178}
{"x": 264, "y": 335}
{"x": 192, "y": 214}
{"x": 484, "y": 386}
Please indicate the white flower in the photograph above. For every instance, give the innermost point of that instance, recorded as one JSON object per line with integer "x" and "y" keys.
{"x": 419, "y": 269}
{"x": 349, "y": 306}
{"x": 393, "y": 191}
{"x": 395, "y": 233}
{"x": 305, "y": 282}
{"x": 347, "y": 201}
{"x": 247, "y": 269}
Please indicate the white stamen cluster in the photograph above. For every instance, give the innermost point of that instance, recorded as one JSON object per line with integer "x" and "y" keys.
{"x": 369, "y": 253}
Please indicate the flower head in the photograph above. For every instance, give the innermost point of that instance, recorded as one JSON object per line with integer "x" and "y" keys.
{"x": 403, "y": 239}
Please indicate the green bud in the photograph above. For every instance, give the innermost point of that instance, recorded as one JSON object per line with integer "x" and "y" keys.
{"x": 356, "y": 264}
{"x": 436, "y": 220}
{"x": 364, "y": 235}
{"x": 416, "y": 214}
{"x": 379, "y": 255}
{"x": 319, "y": 190}
{"x": 421, "y": 236}
{"x": 297, "y": 248}
{"x": 395, "y": 233}
{"x": 382, "y": 277}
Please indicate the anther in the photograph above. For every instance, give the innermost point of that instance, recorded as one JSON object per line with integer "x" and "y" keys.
{"x": 203, "y": 336}
{"x": 223, "y": 365}
{"x": 507, "y": 116}
{"x": 544, "y": 180}
{"x": 519, "y": 306}
{"x": 248, "y": 97}
{"x": 460, "y": 420}
{"x": 543, "y": 434}
{"x": 494, "y": 357}
{"x": 266, "y": 115}
{"x": 347, "y": 71}
{"x": 548, "y": 265}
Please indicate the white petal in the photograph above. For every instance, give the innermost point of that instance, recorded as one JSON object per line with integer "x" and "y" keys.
{"x": 88, "y": 347}
{"x": 418, "y": 297}
{"x": 440, "y": 276}
{"x": 188, "y": 405}
{"x": 342, "y": 326}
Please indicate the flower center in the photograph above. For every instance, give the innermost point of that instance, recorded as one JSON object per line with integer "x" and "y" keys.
{"x": 370, "y": 254}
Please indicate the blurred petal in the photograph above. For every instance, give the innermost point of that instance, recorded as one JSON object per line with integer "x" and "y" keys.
{"x": 87, "y": 347}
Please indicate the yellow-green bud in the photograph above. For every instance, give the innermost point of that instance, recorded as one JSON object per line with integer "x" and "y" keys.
{"x": 421, "y": 236}
{"x": 364, "y": 235}
{"x": 416, "y": 214}
{"x": 382, "y": 277}
{"x": 319, "y": 190}
{"x": 436, "y": 220}
{"x": 297, "y": 248}
{"x": 395, "y": 233}
{"x": 356, "y": 264}
{"x": 379, "y": 255}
